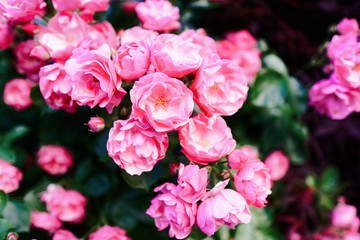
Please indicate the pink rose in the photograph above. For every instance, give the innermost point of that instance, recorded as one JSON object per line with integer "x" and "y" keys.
{"x": 95, "y": 5}
{"x": 166, "y": 103}
{"x": 96, "y": 124}
{"x": 344, "y": 216}
{"x": 132, "y": 60}
{"x": 206, "y": 139}
{"x": 192, "y": 183}
{"x": 352, "y": 236}
{"x": 25, "y": 64}
{"x": 158, "y": 15}
{"x": 219, "y": 87}
{"x": 67, "y": 205}
{"x": 21, "y": 10}
{"x": 109, "y": 233}
{"x": 45, "y": 221}
{"x": 135, "y": 146}
{"x": 242, "y": 39}
{"x": 17, "y": 93}
{"x": 138, "y": 34}
{"x": 337, "y": 43}
{"x": 174, "y": 56}
{"x": 99, "y": 34}
{"x": 205, "y": 44}
{"x": 10, "y": 177}
{"x": 56, "y": 87}
{"x": 63, "y": 234}
{"x": 7, "y": 34}
{"x": 31, "y": 29}
{"x": 55, "y": 160}
{"x": 168, "y": 209}
{"x": 347, "y": 65}
{"x": 221, "y": 207}
{"x": 249, "y": 151}
{"x": 62, "y": 5}
{"x": 348, "y": 26}
{"x": 278, "y": 163}
{"x": 94, "y": 78}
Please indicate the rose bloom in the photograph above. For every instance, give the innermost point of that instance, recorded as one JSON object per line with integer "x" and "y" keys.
{"x": 344, "y": 216}
{"x": 96, "y": 124}
{"x": 174, "y": 56}
{"x": 219, "y": 87}
{"x": 330, "y": 97}
{"x": 337, "y": 43}
{"x": 56, "y": 86}
{"x": 95, "y": 5}
{"x": 55, "y": 160}
{"x": 249, "y": 151}
{"x": 348, "y": 26}
{"x": 206, "y": 139}
{"x": 25, "y": 64}
{"x": 132, "y": 60}
{"x": 347, "y": 65}
{"x": 135, "y": 146}
{"x": 61, "y": 5}
{"x": 7, "y": 34}
{"x": 205, "y": 44}
{"x": 166, "y": 103}
{"x": 158, "y": 15}
{"x": 10, "y": 177}
{"x": 168, "y": 209}
{"x": 17, "y": 93}
{"x": 221, "y": 207}
{"x": 278, "y": 163}
{"x": 67, "y": 205}
{"x": 352, "y": 236}
{"x": 21, "y": 10}
{"x": 138, "y": 34}
{"x": 63, "y": 234}
{"x": 192, "y": 183}
{"x": 94, "y": 78}
{"x": 109, "y": 233}
{"x": 99, "y": 34}
{"x": 45, "y": 221}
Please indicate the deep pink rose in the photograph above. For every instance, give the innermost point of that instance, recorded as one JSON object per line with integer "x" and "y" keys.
{"x": 96, "y": 124}
{"x": 337, "y": 43}
{"x": 62, "y": 5}
{"x": 17, "y": 93}
{"x": 205, "y": 139}
{"x": 6, "y": 33}
{"x": 135, "y": 146}
{"x": 45, "y": 221}
{"x": 94, "y": 78}
{"x": 168, "y": 209}
{"x": 132, "y": 60}
{"x": 109, "y": 233}
{"x": 138, "y": 34}
{"x": 219, "y": 87}
{"x": 166, "y": 103}
{"x": 10, "y": 177}
{"x": 205, "y": 44}
{"x": 63, "y": 234}
{"x": 278, "y": 163}
{"x": 21, "y": 10}
{"x": 221, "y": 207}
{"x": 174, "y": 56}
{"x": 158, "y": 15}
{"x": 348, "y": 26}
{"x": 347, "y": 65}
{"x": 55, "y": 160}
{"x": 344, "y": 216}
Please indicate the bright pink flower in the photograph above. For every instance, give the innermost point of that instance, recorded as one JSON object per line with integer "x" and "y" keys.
{"x": 55, "y": 160}
{"x": 40, "y": 53}
{"x": 25, "y": 64}
{"x": 174, "y": 56}
{"x": 205, "y": 44}
{"x": 166, "y": 103}
{"x": 67, "y": 205}
{"x": 348, "y": 26}
{"x": 334, "y": 99}
{"x": 109, "y": 233}
{"x": 95, "y": 5}
{"x": 45, "y": 221}
{"x": 344, "y": 216}
{"x": 10, "y": 177}
{"x": 62, "y": 5}
{"x": 192, "y": 183}
{"x": 138, "y": 34}
{"x": 135, "y": 146}
{"x": 31, "y": 28}
{"x": 94, "y": 78}
{"x": 132, "y": 60}
{"x": 337, "y": 43}
{"x": 347, "y": 65}
{"x": 219, "y": 87}
{"x": 206, "y": 139}
{"x": 6, "y": 33}
{"x": 21, "y": 10}
{"x": 96, "y": 124}
{"x": 158, "y": 15}
{"x": 351, "y": 236}
{"x": 278, "y": 163}
{"x": 242, "y": 39}
{"x": 63, "y": 234}
{"x": 249, "y": 151}
{"x": 129, "y": 6}
{"x": 221, "y": 207}
{"x": 168, "y": 209}
{"x": 87, "y": 15}
{"x": 101, "y": 33}
{"x": 17, "y": 93}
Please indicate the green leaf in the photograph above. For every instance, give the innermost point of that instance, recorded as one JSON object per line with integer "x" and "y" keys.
{"x": 145, "y": 180}
{"x": 329, "y": 179}
{"x": 5, "y": 226}
{"x": 8, "y": 155}
{"x": 14, "y": 134}
{"x": 97, "y": 185}
{"x": 261, "y": 217}
{"x": 295, "y": 150}
{"x": 298, "y": 96}
{"x": 224, "y": 233}
{"x": 122, "y": 214}
{"x": 19, "y": 216}
{"x": 3, "y": 201}
{"x": 273, "y": 62}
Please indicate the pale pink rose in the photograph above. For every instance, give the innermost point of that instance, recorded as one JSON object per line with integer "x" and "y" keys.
{"x": 334, "y": 99}
{"x": 158, "y": 15}
{"x": 6, "y": 33}
{"x": 25, "y": 64}
{"x": 21, "y": 10}
{"x": 94, "y": 80}
{"x": 253, "y": 180}
{"x": 10, "y": 177}
{"x": 56, "y": 86}
{"x": 249, "y": 151}
{"x": 205, "y": 139}
{"x": 96, "y": 124}
{"x": 109, "y": 233}
{"x": 62, "y": 34}
{"x": 63, "y": 234}
{"x": 221, "y": 207}
{"x": 205, "y": 44}
{"x": 132, "y": 60}
{"x": 17, "y": 93}
{"x": 99, "y": 34}
{"x": 95, "y": 5}
{"x": 278, "y": 163}
{"x": 135, "y": 146}
{"x": 45, "y": 221}
{"x": 166, "y": 103}
{"x": 219, "y": 87}
{"x": 138, "y": 34}
{"x": 55, "y": 160}
{"x": 174, "y": 56}
{"x": 40, "y": 53}
{"x": 347, "y": 65}
{"x": 62, "y": 5}
{"x": 337, "y": 43}
{"x": 348, "y": 26}
{"x": 66, "y": 205}
{"x": 344, "y": 216}
{"x": 192, "y": 183}
{"x": 168, "y": 209}
{"x": 242, "y": 39}
{"x": 352, "y": 236}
